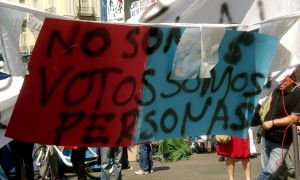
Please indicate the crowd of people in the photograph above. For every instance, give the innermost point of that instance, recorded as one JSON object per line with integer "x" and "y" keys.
{"x": 17, "y": 154}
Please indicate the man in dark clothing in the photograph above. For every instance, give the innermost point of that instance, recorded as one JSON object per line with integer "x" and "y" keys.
{"x": 22, "y": 152}
{"x": 283, "y": 110}
{"x": 78, "y": 161}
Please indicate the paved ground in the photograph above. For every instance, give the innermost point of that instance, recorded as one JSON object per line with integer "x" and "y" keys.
{"x": 199, "y": 166}
{"x": 204, "y": 166}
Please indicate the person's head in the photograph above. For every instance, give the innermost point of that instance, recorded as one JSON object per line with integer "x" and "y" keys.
{"x": 289, "y": 82}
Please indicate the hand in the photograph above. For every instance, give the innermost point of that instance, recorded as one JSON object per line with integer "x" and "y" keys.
{"x": 298, "y": 129}
{"x": 268, "y": 124}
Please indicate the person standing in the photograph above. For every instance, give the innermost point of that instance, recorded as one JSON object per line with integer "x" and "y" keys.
{"x": 22, "y": 152}
{"x": 236, "y": 148}
{"x": 282, "y": 111}
{"x": 78, "y": 161}
{"x": 2, "y": 173}
{"x": 53, "y": 162}
{"x": 213, "y": 144}
{"x": 108, "y": 155}
{"x": 254, "y": 126}
{"x": 125, "y": 161}
{"x": 6, "y": 161}
{"x": 145, "y": 159}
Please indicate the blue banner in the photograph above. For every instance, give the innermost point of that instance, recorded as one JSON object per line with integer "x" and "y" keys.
{"x": 222, "y": 104}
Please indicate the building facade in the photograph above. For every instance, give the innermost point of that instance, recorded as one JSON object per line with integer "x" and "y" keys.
{"x": 89, "y": 10}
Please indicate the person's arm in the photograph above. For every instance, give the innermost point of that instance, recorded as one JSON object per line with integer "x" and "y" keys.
{"x": 293, "y": 118}
{"x": 285, "y": 121}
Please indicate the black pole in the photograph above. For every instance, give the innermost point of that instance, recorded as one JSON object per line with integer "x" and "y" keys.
{"x": 296, "y": 151}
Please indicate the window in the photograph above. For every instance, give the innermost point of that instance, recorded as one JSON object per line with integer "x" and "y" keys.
{"x": 86, "y": 3}
{"x": 35, "y": 4}
{"x": 23, "y": 48}
{"x": 24, "y": 39}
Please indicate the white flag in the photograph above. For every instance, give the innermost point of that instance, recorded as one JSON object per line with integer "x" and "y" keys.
{"x": 210, "y": 42}
{"x": 35, "y": 24}
{"x": 291, "y": 39}
{"x": 10, "y": 24}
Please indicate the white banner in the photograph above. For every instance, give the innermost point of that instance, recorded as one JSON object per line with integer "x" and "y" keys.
{"x": 138, "y": 6}
{"x": 194, "y": 11}
{"x": 115, "y": 11}
{"x": 268, "y": 9}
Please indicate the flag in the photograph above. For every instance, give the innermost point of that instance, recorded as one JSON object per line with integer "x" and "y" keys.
{"x": 10, "y": 29}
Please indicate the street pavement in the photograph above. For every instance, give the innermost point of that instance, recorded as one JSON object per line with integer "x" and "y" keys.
{"x": 203, "y": 166}
{"x": 199, "y": 166}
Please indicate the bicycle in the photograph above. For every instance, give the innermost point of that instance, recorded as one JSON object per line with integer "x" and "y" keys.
{"x": 40, "y": 157}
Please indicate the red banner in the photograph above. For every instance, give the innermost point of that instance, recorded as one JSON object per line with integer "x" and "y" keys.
{"x": 84, "y": 85}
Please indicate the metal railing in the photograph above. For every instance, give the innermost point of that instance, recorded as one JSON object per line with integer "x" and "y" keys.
{"x": 86, "y": 11}
{"x": 24, "y": 49}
